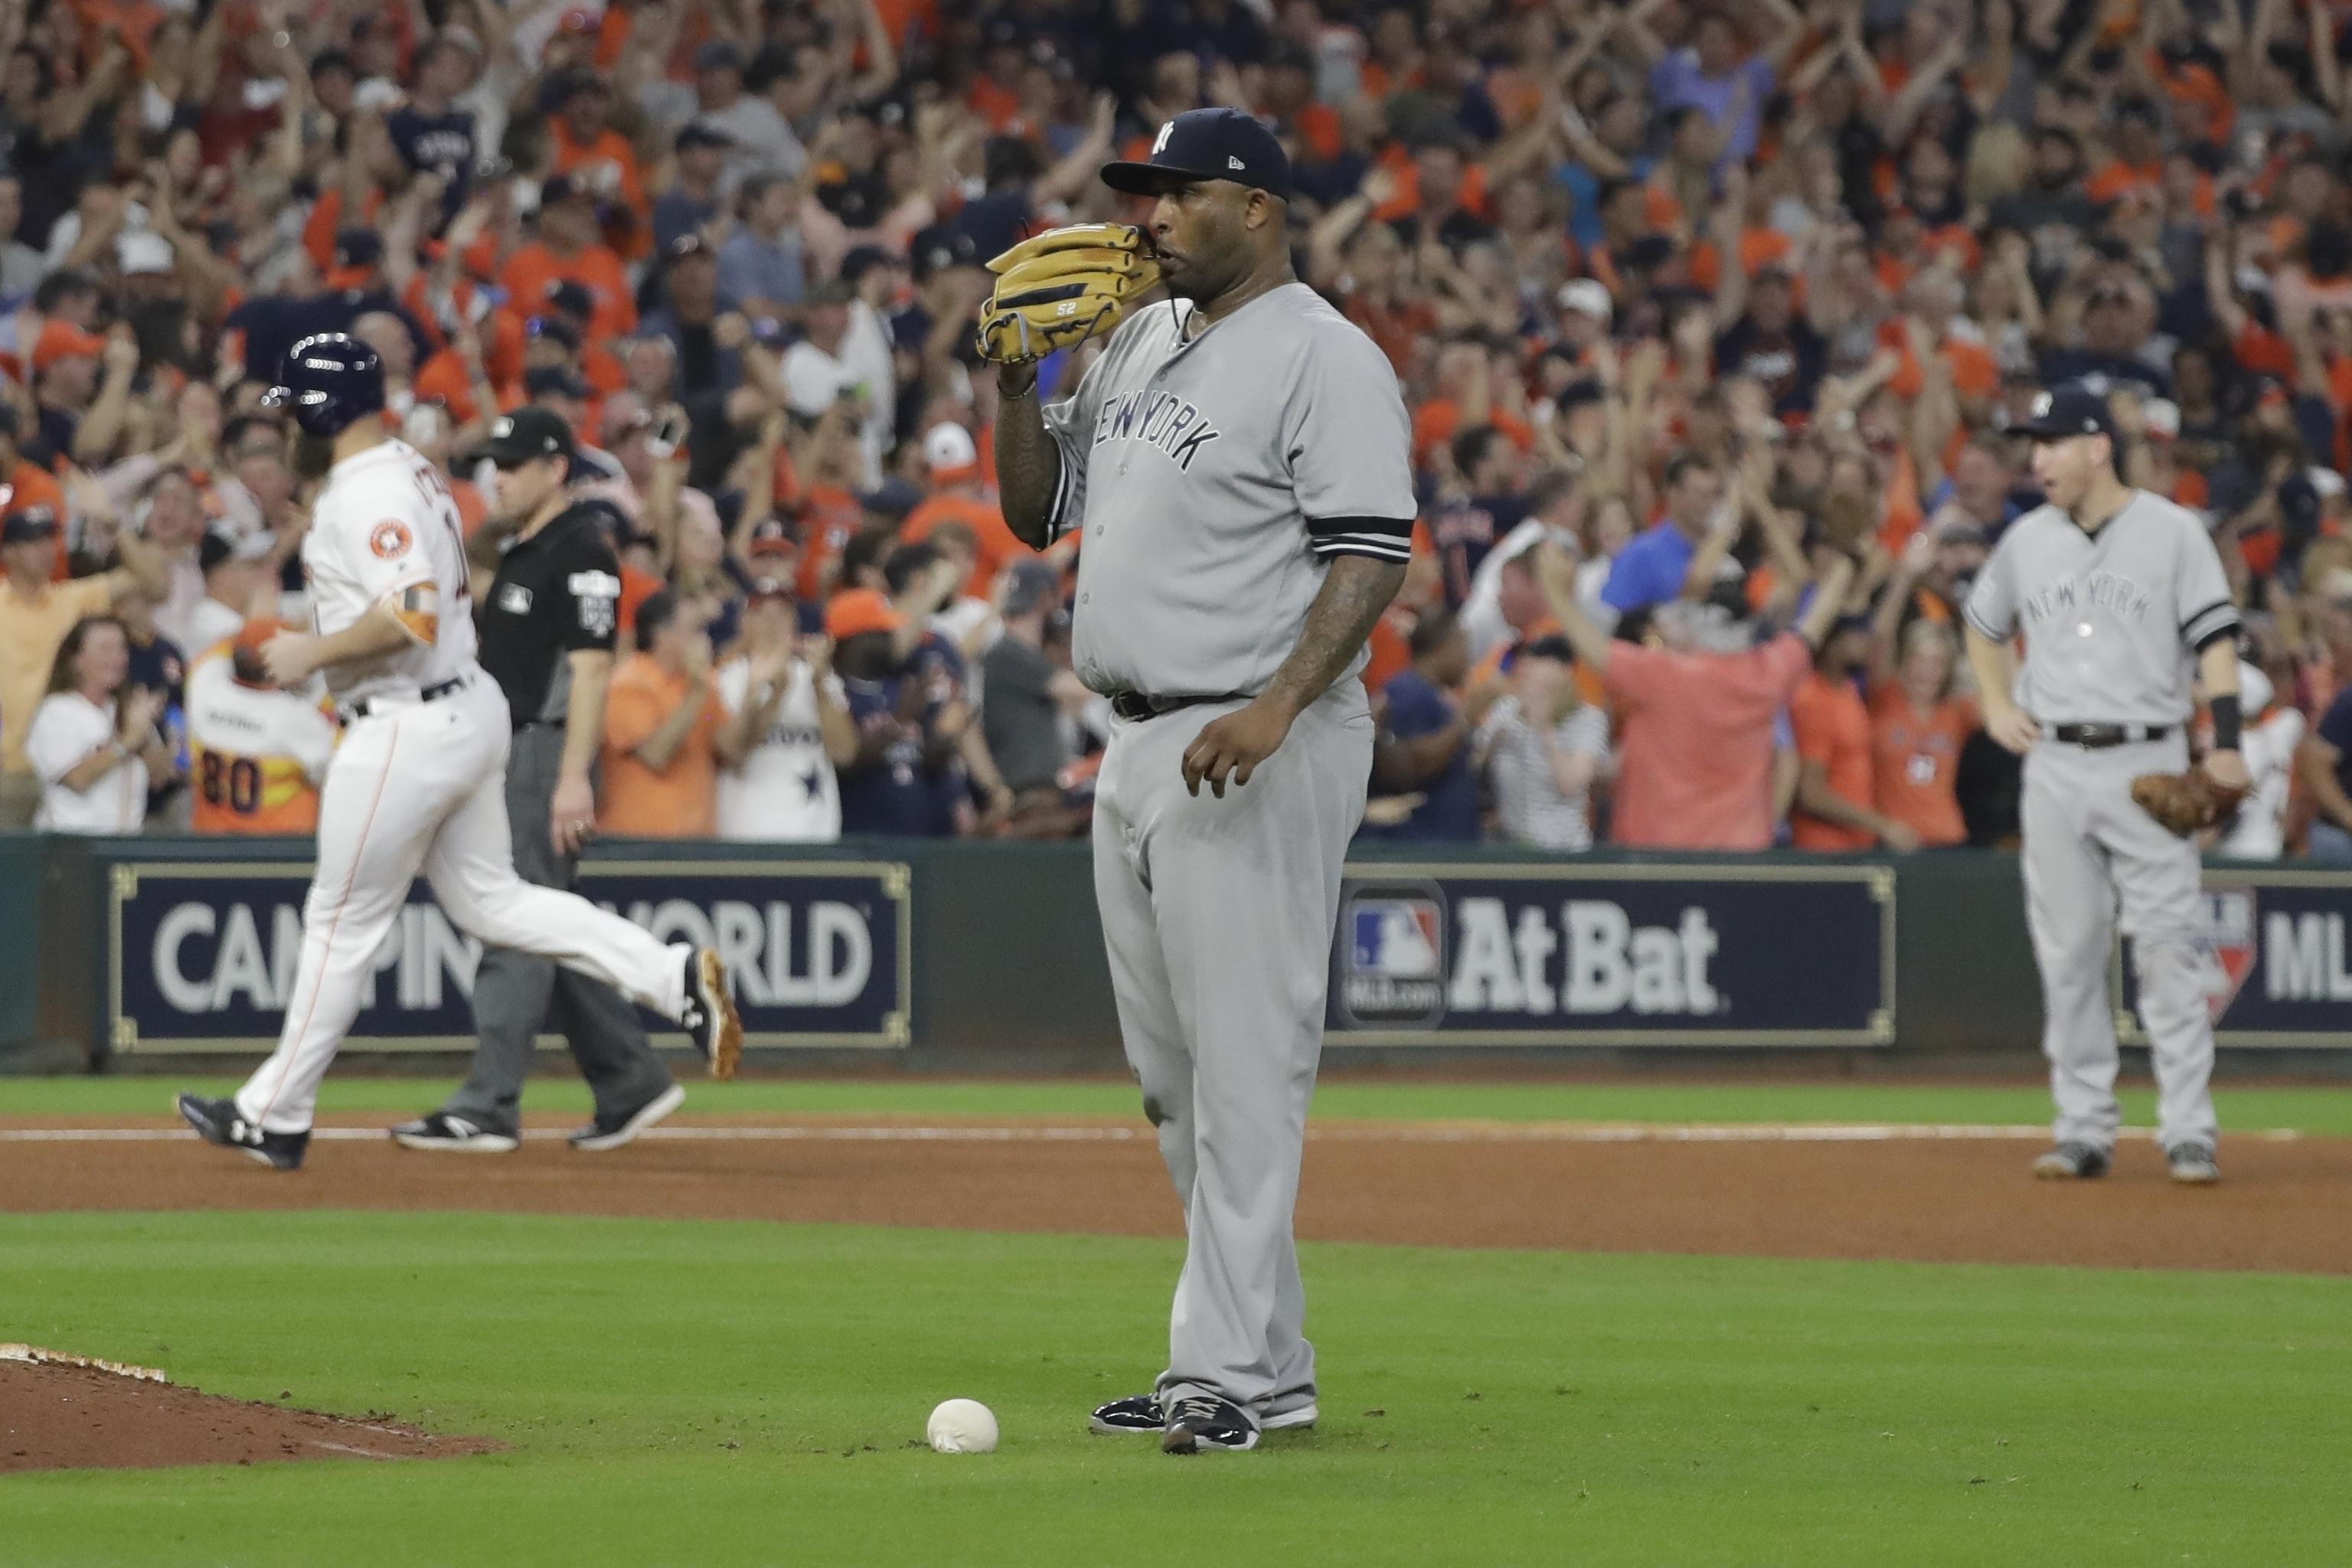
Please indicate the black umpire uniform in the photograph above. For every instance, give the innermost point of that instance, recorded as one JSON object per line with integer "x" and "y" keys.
{"x": 557, "y": 592}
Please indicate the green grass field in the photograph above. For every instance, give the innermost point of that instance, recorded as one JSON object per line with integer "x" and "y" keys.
{"x": 709, "y": 1393}
{"x": 2320, "y": 1111}
{"x": 706, "y": 1393}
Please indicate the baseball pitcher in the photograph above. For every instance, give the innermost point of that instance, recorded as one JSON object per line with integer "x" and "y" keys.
{"x": 419, "y": 779}
{"x": 2121, "y": 599}
{"x": 1237, "y": 462}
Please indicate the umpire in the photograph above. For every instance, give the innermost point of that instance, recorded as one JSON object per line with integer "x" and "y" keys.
{"x": 548, "y": 610}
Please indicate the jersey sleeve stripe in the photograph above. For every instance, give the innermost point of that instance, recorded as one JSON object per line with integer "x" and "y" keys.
{"x": 1362, "y": 527}
{"x": 2207, "y": 625}
{"x": 1057, "y": 512}
{"x": 1396, "y": 550}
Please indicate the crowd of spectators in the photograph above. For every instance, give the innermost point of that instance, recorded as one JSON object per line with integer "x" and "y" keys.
{"x": 1714, "y": 320}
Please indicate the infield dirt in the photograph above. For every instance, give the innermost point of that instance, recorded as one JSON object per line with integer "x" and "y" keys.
{"x": 2285, "y": 1205}
{"x": 65, "y": 1417}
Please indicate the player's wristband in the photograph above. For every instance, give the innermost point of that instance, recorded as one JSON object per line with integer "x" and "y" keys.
{"x": 2227, "y": 721}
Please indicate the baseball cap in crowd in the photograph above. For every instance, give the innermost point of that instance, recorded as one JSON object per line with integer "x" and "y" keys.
{"x": 770, "y": 536}
{"x": 948, "y": 453}
{"x": 555, "y": 381}
{"x": 555, "y": 329}
{"x": 1587, "y": 297}
{"x": 702, "y": 133}
{"x": 1035, "y": 583}
{"x": 718, "y": 55}
{"x": 561, "y": 188}
{"x": 570, "y": 297}
{"x": 525, "y": 434}
{"x": 939, "y": 248}
{"x": 139, "y": 251}
{"x": 858, "y": 611}
{"x": 27, "y": 524}
{"x": 687, "y": 247}
{"x": 1206, "y": 144}
{"x": 244, "y": 653}
{"x": 219, "y": 549}
{"x": 2070, "y": 410}
{"x": 63, "y": 339}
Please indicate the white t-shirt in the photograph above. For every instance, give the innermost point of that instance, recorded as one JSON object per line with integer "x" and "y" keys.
{"x": 1526, "y": 796}
{"x": 784, "y": 790}
{"x": 67, "y": 728}
{"x": 2258, "y": 831}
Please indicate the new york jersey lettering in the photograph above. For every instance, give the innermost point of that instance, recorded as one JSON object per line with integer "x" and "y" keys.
{"x": 1161, "y": 420}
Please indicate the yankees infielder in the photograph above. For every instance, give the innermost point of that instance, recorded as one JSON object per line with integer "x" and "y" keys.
{"x": 1237, "y": 460}
{"x": 419, "y": 779}
{"x": 2121, "y": 599}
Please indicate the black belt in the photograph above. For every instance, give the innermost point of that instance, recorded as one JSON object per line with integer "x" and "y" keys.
{"x": 1135, "y": 707}
{"x": 368, "y": 705}
{"x": 2099, "y": 737}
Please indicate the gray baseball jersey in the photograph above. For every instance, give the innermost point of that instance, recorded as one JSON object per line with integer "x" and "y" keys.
{"x": 2112, "y": 620}
{"x": 1216, "y": 479}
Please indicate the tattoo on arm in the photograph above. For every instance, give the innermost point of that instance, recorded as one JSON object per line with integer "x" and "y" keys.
{"x": 1028, "y": 469}
{"x": 1354, "y": 593}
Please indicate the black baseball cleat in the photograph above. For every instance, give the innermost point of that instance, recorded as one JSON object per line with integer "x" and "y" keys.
{"x": 602, "y": 1133}
{"x": 709, "y": 1018}
{"x": 1142, "y": 1414}
{"x": 219, "y": 1122}
{"x": 453, "y": 1135}
{"x": 1204, "y": 1424}
{"x": 2072, "y": 1161}
{"x": 2192, "y": 1164}
{"x": 1135, "y": 1414}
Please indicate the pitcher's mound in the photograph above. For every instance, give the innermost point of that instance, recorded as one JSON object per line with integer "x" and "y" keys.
{"x": 57, "y": 1417}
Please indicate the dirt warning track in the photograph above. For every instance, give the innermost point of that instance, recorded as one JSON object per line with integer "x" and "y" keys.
{"x": 1919, "y": 1194}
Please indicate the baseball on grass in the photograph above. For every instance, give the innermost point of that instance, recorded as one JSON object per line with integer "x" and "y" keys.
{"x": 963, "y": 1426}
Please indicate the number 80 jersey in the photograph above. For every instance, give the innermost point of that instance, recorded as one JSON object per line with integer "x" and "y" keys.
{"x": 386, "y": 532}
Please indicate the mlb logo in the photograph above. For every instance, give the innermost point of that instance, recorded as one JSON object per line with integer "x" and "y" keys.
{"x": 2226, "y": 929}
{"x": 1396, "y": 938}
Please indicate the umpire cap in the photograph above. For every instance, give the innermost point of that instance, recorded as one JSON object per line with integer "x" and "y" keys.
{"x": 327, "y": 382}
{"x": 2070, "y": 410}
{"x": 1206, "y": 144}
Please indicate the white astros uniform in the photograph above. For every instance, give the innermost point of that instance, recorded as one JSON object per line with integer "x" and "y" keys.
{"x": 418, "y": 782}
{"x": 2112, "y": 622}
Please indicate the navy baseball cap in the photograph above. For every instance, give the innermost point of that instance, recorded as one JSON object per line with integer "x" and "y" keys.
{"x": 2071, "y": 410}
{"x": 1206, "y": 144}
{"x": 528, "y": 432}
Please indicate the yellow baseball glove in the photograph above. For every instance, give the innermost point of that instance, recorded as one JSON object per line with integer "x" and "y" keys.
{"x": 1063, "y": 286}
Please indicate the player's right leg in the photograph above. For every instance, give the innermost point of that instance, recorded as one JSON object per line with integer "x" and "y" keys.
{"x": 377, "y": 805}
{"x": 2070, "y": 912}
{"x": 471, "y": 866}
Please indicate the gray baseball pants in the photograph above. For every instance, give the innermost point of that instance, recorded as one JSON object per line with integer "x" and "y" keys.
{"x": 1217, "y": 916}
{"x": 2090, "y": 854}
{"x": 516, "y": 994}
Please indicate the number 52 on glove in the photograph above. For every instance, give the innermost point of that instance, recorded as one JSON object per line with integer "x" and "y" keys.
{"x": 1063, "y": 286}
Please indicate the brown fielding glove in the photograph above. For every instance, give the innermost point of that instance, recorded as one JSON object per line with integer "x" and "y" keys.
{"x": 2185, "y": 801}
{"x": 1063, "y": 286}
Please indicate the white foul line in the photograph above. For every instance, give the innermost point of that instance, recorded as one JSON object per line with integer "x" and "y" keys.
{"x": 1339, "y": 1132}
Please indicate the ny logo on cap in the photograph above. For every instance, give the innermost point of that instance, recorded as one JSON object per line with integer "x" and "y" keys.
{"x": 503, "y": 428}
{"x": 2041, "y": 405}
{"x": 1166, "y": 131}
